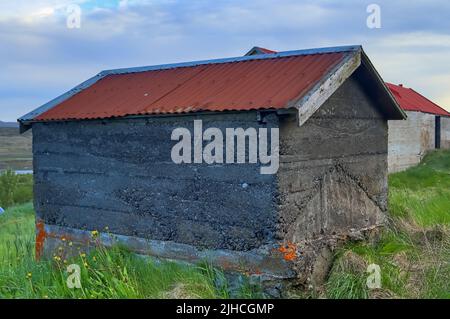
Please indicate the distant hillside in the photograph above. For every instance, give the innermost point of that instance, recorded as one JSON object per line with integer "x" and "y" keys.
{"x": 8, "y": 124}
{"x": 15, "y": 149}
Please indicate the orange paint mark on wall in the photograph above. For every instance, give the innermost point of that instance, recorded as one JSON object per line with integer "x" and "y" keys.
{"x": 40, "y": 238}
{"x": 289, "y": 251}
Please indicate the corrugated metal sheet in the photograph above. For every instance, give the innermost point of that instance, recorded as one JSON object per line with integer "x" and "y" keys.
{"x": 410, "y": 100}
{"x": 246, "y": 84}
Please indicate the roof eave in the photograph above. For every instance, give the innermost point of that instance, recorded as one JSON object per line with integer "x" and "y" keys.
{"x": 397, "y": 113}
{"x": 27, "y": 120}
{"x": 439, "y": 107}
{"x": 323, "y": 90}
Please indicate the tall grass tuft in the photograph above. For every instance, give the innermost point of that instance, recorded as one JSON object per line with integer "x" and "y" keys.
{"x": 15, "y": 189}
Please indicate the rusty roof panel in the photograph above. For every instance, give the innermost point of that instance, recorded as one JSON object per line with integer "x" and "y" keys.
{"x": 242, "y": 85}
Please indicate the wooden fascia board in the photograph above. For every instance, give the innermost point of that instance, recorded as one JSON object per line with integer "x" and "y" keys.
{"x": 309, "y": 104}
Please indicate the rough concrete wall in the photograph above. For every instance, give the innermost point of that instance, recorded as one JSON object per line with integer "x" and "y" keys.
{"x": 119, "y": 174}
{"x": 409, "y": 140}
{"x": 333, "y": 173}
{"x": 445, "y": 132}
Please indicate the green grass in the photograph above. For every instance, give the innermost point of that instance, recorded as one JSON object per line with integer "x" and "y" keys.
{"x": 112, "y": 273}
{"x": 422, "y": 193}
{"x": 427, "y": 208}
{"x": 413, "y": 252}
{"x": 348, "y": 276}
{"x": 15, "y": 189}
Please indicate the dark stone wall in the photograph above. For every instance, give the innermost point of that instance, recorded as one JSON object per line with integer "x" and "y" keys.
{"x": 119, "y": 174}
{"x": 333, "y": 170}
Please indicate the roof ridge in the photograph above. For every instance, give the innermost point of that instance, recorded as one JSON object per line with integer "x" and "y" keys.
{"x": 282, "y": 54}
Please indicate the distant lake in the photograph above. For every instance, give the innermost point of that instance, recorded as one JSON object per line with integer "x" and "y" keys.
{"x": 19, "y": 171}
{"x": 24, "y": 172}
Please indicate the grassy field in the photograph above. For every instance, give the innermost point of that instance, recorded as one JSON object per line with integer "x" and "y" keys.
{"x": 15, "y": 149}
{"x": 414, "y": 250}
{"x": 413, "y": 253}
{"x": 113, "y": 273}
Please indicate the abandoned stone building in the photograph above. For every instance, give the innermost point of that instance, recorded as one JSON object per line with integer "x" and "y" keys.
{"x": 102, "y": 160}
{"x": 426, "y": 128}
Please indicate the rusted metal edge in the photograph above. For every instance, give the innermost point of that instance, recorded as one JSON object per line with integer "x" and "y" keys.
{"x": 269, "y": 261}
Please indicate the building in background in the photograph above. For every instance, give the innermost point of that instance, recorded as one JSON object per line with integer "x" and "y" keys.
{"x": 426, "y": 128}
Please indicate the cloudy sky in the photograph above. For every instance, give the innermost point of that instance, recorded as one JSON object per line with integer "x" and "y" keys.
{"x": 40, "y": 57}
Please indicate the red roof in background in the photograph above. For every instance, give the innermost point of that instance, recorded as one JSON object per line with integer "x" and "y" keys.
{"x": 410, "y": 100}
{"x": 259, "y": 50}
{"x": 267, "y": 51}
{"x": 264, "y": 83}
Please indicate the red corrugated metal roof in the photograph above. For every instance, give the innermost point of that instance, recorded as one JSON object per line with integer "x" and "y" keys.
{"x": 272, "y": 83}
{"x": 410, "y": 100}
{"x": 266, "y": 51}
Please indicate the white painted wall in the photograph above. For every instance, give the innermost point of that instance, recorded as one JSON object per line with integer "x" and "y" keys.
{"x": 410, "y": 139}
